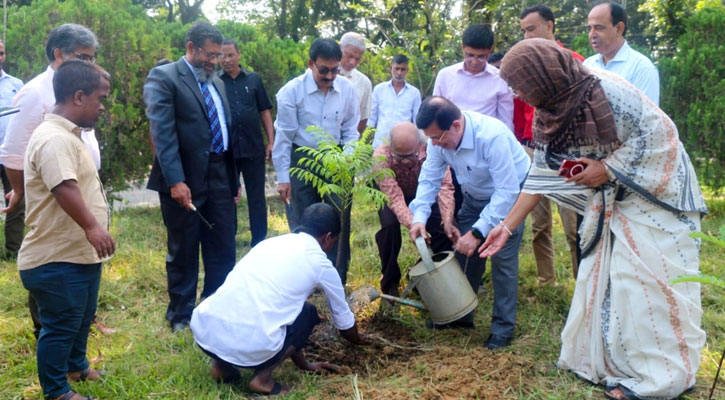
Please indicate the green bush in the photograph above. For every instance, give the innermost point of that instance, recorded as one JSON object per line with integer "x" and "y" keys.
{"x": 130, "y": 44}
{"x": 693, "y": 93}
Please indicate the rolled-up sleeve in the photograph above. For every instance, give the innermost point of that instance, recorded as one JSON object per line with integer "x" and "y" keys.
{"x": 286, "y": 126}
{"x": 505, "y": 181}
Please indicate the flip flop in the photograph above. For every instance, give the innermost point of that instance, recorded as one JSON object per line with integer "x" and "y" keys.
{"x": 276, "y": 390}
{"x": 84, "y": 375}
{"x": 616, "y": 394}
{"x": 68, "y": 395}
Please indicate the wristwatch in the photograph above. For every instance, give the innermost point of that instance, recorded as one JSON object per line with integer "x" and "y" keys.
{"x": 477, "y": 234}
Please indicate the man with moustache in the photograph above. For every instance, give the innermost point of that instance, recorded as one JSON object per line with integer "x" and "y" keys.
{"x": 394, "y": 101}
{"x": 193, "y": 169}
{"x": 319, "y": 97}
{"x": 249, "y": 103}
{"x": 607, "y": 26}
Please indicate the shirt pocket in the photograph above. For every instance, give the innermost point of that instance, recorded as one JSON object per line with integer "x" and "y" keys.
{"x": 6, "y": 96}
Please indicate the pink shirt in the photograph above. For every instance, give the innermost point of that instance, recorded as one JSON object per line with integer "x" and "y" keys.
{"x": 485, "y": 92}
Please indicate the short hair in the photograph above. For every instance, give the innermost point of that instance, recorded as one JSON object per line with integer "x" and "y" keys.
{"x": 478, "y": 36}
{"x": 319, "y": 219}
{"x": 230, "y": 41}
{"x": 75, "y": 75}
{"x": 495, "y": 57}
{"x": 325, "y": 48}
{"x": 619, "y": 14}
{"x": 352, "y": 39}
{"x": 67, "y": 38}
{"x": 439, "y": 110}
{"x": 400, "y": 59}
{"x": 200, "y": 32}
{"x": 542, "y": 10}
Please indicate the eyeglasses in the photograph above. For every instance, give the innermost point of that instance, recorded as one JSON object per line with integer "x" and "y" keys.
{"x": 481, "y": 58}
{"x": 85, "y": 57}
{"x": 405, "y": 156}
{"x": 441, "y": 137}
{"x": 325, "y": 70}
{"x": 211, "y": 55}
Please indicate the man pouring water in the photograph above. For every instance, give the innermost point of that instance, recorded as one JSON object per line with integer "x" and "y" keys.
{"x": 490, "y": 166}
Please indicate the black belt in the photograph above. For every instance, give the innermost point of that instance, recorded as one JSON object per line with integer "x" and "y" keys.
{"x": 217, "y": 156}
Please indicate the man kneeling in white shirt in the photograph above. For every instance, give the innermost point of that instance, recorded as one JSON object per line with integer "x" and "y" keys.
{"x": 260, "y": 316}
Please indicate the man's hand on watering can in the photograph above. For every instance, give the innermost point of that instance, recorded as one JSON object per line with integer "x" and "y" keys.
{"x": 467, "y": 244}
{"x": 418, "y": 229}
{"x": 452, "y": 232}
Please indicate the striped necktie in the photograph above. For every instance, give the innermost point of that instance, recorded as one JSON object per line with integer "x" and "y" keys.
{"x": 217, "y": 140}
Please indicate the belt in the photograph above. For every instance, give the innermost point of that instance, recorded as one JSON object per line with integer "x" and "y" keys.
{"x": 217, "y": 156}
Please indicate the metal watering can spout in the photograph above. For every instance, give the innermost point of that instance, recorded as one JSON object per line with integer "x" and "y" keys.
{"x": 367, "y": 294}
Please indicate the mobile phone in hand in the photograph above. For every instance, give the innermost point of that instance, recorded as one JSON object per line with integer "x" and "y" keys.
{"x": 570, "y": 168}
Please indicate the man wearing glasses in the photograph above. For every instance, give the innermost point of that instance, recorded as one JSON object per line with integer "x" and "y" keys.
{"x": 474, "y": 85}
{"x": 319, "y": 97}
{"x": 405, "y": 156}
{"x": 193, "y": 169}
{"x": 491, "y": 166}
{"x": 35, "y": 99}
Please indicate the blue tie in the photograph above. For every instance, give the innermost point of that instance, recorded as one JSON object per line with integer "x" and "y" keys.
{"x": 217, "y": 140}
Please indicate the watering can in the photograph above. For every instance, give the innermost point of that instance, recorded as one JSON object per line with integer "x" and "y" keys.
{"x": 442, "y": 285}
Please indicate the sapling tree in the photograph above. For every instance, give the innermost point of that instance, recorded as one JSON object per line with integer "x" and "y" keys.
{"x": 341, "y": 174}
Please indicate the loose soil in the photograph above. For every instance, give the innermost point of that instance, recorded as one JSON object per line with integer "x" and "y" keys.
{"x": 395, "y": 362}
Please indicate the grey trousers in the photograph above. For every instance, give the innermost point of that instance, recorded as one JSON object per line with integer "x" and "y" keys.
{"x": 504, "y": 270}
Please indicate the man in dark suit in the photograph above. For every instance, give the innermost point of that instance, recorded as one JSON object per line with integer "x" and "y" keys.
{"x": 193, "y": 168}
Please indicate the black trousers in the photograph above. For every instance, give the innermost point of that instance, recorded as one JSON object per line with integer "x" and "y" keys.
{"x": 389, "y": 242}
{"x": 252, "y": 170}
{"x": 303, "y": 196}
{"x": 185, "y": 232}
{"x": 297, "y": 334}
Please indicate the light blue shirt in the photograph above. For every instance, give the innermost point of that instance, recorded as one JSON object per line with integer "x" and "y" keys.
{"x": 301, "y": 104}
{"x": 390, "y": 108}
{"x": 9, "y": 86}
{"x": 634, "y": 67}
{"x": 217, "y": 103}
{"x": 490, "y": 164}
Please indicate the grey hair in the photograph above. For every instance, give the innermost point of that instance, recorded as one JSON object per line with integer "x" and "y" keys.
{"x": 69, "y": 37}
{"x": 352, "y": 39}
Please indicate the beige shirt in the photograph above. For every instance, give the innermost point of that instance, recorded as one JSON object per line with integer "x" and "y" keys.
{"x": 55, "y": 154}
{"x": 363, "y": 90}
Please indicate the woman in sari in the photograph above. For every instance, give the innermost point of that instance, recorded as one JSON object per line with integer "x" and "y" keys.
{"x": 628, "y": 328}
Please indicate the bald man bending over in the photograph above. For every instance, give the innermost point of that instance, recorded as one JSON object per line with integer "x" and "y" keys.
{"x": 405, "y": 155}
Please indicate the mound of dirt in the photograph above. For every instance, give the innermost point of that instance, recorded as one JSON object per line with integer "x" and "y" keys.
{"x": 394, "y": 366}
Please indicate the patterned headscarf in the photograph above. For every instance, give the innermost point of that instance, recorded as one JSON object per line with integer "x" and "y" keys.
{"x": 572, "y": 109}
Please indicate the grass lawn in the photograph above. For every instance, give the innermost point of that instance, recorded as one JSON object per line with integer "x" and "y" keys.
{"x": 144, "y": 360}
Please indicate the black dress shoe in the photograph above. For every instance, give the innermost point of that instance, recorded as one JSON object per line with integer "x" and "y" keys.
{"x": 450, "y": 325}
{"x": 496, "y": 342}
{"x": 179, "y": 325}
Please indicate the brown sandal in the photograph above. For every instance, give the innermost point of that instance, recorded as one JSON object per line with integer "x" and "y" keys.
{"x": 84, "y": 375}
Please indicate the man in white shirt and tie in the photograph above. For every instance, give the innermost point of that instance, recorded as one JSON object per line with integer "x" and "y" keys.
{"x": 260, "y": 315}
{"x": 394, "y": 101}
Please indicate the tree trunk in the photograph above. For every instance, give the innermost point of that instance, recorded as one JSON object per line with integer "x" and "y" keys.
{"x": 343, "y": 245}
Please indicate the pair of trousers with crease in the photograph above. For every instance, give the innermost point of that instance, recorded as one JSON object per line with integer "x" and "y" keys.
{"x": 504, "y": 269}
{"x": 252, "y": 169}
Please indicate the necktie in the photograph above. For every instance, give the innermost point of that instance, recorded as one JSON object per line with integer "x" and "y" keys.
{"x": 217, "y": 141}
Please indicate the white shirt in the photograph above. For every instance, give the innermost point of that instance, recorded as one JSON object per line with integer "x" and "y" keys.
{"x": 634, "y": 67}
{"x": 490, "y": 164}
{"x": 217, "y": 103}
{"x": 301, "y": 104}
{"x": 244, "y": 321}
{"x": 390, "y": 108}
{"x": 363, "y": 88}
{"x": 485, "y": 92}
{"x": 34, "y": 100}
{"x": 9, "y": 87}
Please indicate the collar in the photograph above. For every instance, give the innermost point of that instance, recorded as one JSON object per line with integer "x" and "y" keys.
{"x": 309, "y": 84}
{"x": 621, "y": 56}
{"x": 390, "y": 83}
{"x": 347, "y": 75}
{"x": 461, "y": 70}
{"x": 3, "y": 74}
{"x": 241, "y": 73}
{"x": 63, "y": 122}
{"x": 467, "y": 139}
